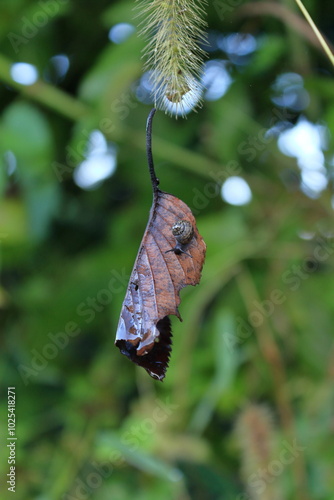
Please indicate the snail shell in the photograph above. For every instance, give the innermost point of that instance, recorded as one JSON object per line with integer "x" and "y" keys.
{"x": 183, "y": 231}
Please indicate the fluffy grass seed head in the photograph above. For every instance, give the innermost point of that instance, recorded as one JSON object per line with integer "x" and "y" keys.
{"x": 256, "y": 436}
{"x": 174, "y": 29}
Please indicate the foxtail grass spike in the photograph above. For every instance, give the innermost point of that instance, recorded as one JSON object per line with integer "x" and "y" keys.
{"x": 256, "y": 436}
{"x": 174, "y": 29}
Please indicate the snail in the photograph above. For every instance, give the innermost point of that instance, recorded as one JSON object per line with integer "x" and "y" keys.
{"x": 183, "y": 232}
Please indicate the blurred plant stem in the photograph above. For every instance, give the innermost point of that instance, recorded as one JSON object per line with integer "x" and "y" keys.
{"x": 69, "y": 107}
{"x": 299, "y": 56}
{"x": 73, "y": 452}
{"x": 222, "y": 270}
{"x": 45, "y": 94}
{"x": 274, "y": 360}
{"x": 212, "y": 286}
{"x": 296, "y": 27}
{"x": 184, "y": 158}
{"x": 321, "y": 39}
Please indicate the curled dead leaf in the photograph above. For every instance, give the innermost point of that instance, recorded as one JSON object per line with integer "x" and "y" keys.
{"x": 170, "y": 257}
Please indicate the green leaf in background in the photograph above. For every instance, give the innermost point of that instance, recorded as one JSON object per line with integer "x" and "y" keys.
{"x": 27, "y": 135}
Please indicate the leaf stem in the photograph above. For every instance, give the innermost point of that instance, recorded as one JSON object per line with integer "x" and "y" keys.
{"x": 154, "y": 179}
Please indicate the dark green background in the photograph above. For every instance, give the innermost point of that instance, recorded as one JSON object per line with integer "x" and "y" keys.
{"x": 235, "y": 395}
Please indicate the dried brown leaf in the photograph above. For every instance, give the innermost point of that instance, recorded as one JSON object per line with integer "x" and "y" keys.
{"x": 162, "y": 268}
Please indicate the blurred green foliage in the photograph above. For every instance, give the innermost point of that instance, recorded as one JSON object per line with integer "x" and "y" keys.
{"x": 256, "y": 331}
